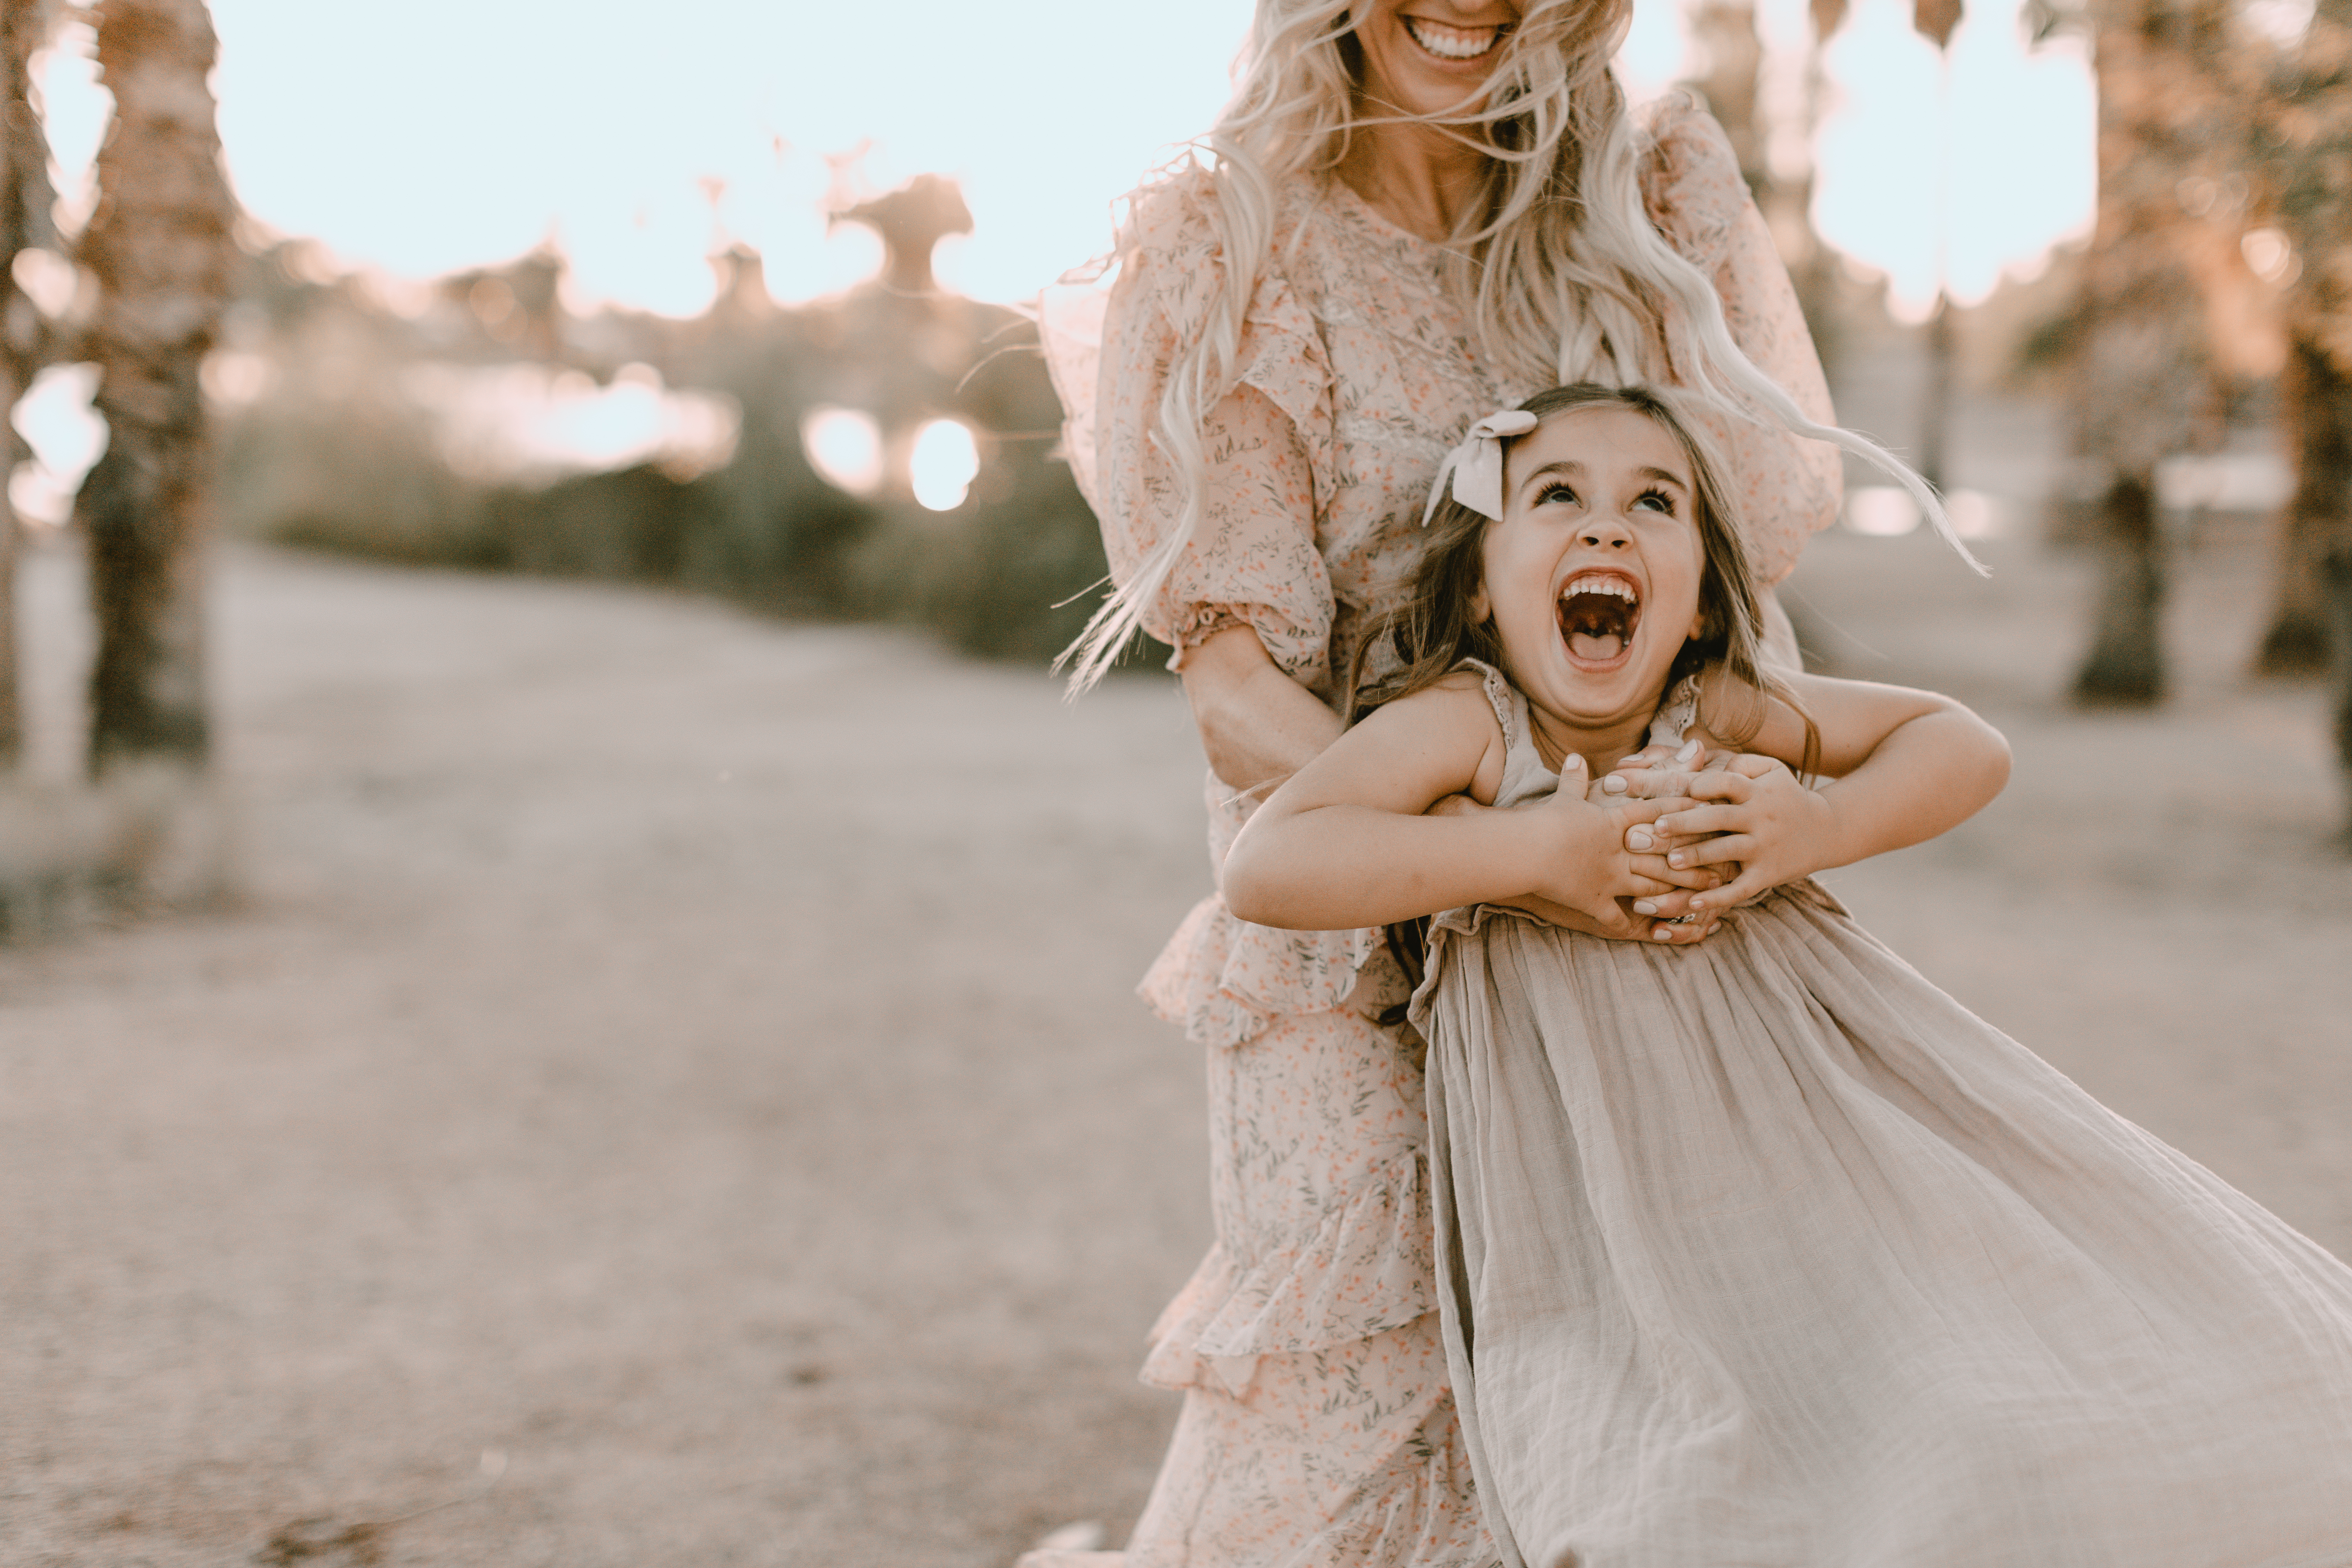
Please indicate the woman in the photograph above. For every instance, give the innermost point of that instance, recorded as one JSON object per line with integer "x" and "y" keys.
{"x": 1422, "y": 210}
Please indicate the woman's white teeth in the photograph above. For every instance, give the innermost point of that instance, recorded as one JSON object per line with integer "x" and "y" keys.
{"x": 1451, "y": 42}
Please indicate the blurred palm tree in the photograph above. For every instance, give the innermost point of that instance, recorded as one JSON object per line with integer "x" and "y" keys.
{"x": 2304, "y": 145}
{"x": 2173, "y": 107}
{"x": 161, "y": 249}
{"x": 25, "y": 224}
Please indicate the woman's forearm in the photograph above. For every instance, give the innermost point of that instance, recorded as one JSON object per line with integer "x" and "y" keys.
{"x": 1257, "y": 725}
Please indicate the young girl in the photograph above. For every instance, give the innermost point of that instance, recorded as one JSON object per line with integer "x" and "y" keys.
{"x": 1762, "y": 1251}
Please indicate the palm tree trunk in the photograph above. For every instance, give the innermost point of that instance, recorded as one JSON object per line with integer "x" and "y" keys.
{"x": 2146, "y": 385}
{"x": 2335, "y": 576}
{"x": 2125, "y": 664}
{"x": 23, "y": 221}
{"x": 159, "y": 246}
{"x": 2319, "y": 403}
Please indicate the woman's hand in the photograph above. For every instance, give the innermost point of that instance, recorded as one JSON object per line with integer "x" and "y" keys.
{"x": 1762, "y": 825}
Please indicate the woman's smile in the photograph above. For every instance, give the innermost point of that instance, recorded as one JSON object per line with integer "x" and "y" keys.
{"x": 1428, "y": 56}
{"x": 1451, "y": 43}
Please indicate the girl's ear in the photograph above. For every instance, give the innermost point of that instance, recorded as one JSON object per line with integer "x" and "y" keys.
{"x": 1481, "y": 612}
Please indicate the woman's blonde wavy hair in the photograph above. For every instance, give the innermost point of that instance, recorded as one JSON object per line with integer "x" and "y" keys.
{"x": 1564, "y": 273}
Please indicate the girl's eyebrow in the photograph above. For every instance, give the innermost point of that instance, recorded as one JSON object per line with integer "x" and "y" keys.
{"x": 1557, "y": 466}
{"x": 1572, "y": 467}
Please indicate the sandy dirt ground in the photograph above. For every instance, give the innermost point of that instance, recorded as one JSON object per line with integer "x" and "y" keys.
{"x": 685, "y": 1066}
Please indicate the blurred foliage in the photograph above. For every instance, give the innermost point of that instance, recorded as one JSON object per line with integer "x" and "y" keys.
{"x": 326, "y": 445}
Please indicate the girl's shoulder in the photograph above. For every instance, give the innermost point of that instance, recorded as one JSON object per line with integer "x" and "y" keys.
{"x": 1469, "y": 688}
{"x": 1469, "y": 706}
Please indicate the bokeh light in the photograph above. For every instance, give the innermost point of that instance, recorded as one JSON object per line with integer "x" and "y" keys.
{"x": 845, "y": 445}
{"x": 942, "y": 464}
{"x": 66, "y": 436}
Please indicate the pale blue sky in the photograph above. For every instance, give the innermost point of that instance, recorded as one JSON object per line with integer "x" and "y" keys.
{"x": 447, "y": 134}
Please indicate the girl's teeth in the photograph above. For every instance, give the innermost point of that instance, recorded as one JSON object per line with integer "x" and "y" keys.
{"x": 1451, "y": 43}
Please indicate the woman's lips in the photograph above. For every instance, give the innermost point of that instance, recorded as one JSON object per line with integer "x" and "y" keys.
{"x": 1449, "y": 43}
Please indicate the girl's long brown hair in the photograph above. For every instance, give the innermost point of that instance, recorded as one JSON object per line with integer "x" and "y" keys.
{"x": 1427, "y": 635}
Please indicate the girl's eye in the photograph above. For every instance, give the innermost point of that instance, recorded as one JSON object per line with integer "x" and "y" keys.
{"x": 1656, "y": 500}
{"x": 1555, "y": 491}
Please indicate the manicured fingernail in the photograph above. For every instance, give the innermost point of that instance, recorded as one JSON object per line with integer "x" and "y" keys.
{"x": 1675, "y": 860}
{"x": 1644, "y": 907}
{"x": 1573, "y": 761}
{"x": 1690, "y": 750}
{"x": 1665, "y": 933}
{"x": 1696, "y": 905}
{"x": 1637, "y": 838}
{"x": 1614, "y": 783}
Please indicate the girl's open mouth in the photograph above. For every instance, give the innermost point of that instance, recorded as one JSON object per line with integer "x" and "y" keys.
{"x": 1448, "y": 43}
{"x": 1598, "y": 612}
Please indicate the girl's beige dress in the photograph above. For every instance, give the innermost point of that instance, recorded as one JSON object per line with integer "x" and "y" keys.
{"x": 1317, "y": 1430}
{"x": 1767, "y": 1252}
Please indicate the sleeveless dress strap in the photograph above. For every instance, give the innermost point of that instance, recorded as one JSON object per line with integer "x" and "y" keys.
{"x": 1525, "y": 774}
{"x": 1510, "y": 708}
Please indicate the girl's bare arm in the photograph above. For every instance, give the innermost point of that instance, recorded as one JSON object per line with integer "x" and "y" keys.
{"x": 1908, "y": 766}
{"x": 1348, "y": 841}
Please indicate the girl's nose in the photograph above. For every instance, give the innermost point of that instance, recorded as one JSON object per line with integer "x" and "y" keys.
{"x": 1605, "y": 533}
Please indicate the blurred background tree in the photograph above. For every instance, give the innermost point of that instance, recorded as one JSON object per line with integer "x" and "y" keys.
{"x": 887, "y": 451}
{"x": 2302, "y": 146}
{"x": 25, "y": 225}
{"x": 2147, "y": 376}
{"x": 159, "y": 246}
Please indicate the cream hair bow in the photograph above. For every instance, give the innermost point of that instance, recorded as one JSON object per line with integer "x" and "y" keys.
{"x": 1475, "y": 466}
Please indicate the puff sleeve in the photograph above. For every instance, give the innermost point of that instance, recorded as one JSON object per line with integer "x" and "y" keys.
{"x": 1252, "y": 559}
{"x": 1789, "y": 487}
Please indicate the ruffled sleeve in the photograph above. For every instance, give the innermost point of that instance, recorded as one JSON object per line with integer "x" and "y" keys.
{"x": 1789, "y": 488}
{"x": 1252, "y": 559}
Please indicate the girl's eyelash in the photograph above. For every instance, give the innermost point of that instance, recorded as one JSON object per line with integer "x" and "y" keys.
{"x": 1555, "y": 489}
{"x": 1666, "y": 503}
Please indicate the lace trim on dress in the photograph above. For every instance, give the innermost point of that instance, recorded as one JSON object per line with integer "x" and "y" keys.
{"x": 1366, "y": 1269}
{"x": 1226, "y": 980}
{"x": 1502, "y": 698}
{"x": 1676, "y": 714}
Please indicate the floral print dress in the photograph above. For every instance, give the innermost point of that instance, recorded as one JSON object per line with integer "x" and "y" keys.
{"x": 1317, "y": 1430}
